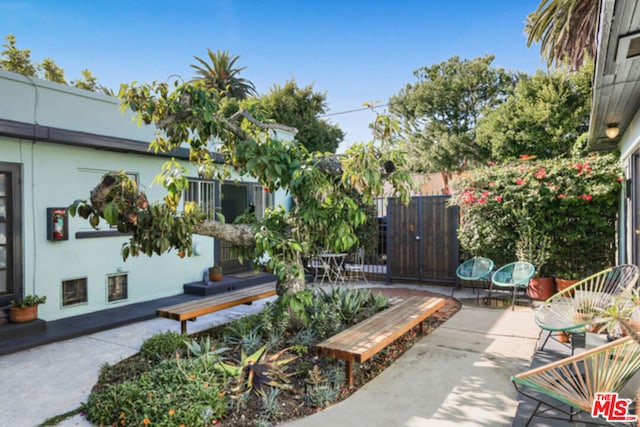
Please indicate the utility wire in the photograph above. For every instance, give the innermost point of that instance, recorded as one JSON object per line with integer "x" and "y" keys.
{"x": 353, "y": 111}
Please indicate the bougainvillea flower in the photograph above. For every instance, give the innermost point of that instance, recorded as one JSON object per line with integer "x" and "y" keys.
{"x": 540, "y": 174}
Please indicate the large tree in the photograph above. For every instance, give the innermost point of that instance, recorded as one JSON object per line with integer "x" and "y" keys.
{"x": 565, "y": 29}
{"x": 325, "y": 189}
{"x": 546, "y": 116}
{"x": 299, "y": 108}
{"x": 441, "y": 109}
{"x": 223, "y": 75}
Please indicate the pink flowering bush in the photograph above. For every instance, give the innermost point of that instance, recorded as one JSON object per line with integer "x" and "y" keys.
{"x": 572, "y": 202}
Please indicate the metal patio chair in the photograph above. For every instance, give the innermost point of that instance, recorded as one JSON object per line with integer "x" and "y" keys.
{"x": 512, "y": 277}
{"x": 574, "y": 308}
{"x": 355, "y": 270}
{"x": 575, "y": 380}
{"x": 476, "y": 271}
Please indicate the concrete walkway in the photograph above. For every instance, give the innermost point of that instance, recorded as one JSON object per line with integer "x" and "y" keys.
{"x": 457, "y": 375}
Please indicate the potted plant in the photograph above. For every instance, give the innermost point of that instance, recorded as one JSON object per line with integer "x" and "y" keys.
{"x": 533, "y": 246}
{"x": 622, "y": 316}
{"x": 25, "y": 309}
{"x": 215, "y": 273}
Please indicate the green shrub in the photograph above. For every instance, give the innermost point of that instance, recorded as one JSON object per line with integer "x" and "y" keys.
{"x": 573, "y": 202}
{"x": 172, "y": 393}
{"x": 274, "y": 321}
{"x": 163, "y": 345}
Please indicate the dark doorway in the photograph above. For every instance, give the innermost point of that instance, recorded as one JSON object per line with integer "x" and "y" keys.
{"x": 234, "y": 202}
{"x": 10, "y": 233}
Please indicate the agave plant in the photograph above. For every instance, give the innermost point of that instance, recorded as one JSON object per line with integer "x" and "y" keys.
{"x": 259, "y": 370}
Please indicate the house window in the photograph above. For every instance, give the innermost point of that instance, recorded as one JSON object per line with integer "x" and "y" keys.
{"x": 204, "y": 194}
{"x": 117, "y": 288}
{"x": 74, "y": 292}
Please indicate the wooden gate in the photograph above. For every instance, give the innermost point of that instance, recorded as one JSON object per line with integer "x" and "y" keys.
{"x": 422, "y": 242}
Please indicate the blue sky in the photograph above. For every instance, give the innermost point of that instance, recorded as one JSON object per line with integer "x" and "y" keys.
{"x": 354, "y": 51}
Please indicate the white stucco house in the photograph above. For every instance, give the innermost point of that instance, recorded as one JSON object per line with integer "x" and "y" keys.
{"x": 56, "y": 142}
{"x": 615, "y": 115}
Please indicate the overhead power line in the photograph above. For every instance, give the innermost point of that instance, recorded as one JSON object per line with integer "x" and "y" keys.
{"x": 353, "y": 111}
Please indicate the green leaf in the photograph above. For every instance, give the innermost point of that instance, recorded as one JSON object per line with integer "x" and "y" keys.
{"x": 94, "y": 220}
{"x": 111, "y": 213}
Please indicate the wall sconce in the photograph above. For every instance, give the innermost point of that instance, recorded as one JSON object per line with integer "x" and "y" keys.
{"x": 612, "y": 130}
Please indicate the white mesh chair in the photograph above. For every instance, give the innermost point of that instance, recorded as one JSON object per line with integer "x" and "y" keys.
{"x": 355, "y": 271}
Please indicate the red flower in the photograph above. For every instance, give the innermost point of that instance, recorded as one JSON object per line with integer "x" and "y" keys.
{"x": 540, "y": 174}
{"x": 620, "y": 179}
{"x": 482, "y": 201}
{"x": 520, "y": 181}
{"x": 586, "y": 197}
{"x": 467, "y": 197}
{"x": 562, "y": 196}
{"x": 498, "y": 198}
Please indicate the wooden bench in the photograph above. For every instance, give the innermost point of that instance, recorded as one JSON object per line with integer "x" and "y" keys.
{"x": 192, "y": 309}
{"x": 362, "y": 341}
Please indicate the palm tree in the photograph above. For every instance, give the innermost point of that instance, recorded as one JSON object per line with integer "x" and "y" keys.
{"x": 221, "y": 75}
{"x": 566, "y": 30}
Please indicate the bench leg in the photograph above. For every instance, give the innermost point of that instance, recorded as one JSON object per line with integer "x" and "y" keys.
{"x": 183, "y": 327}
{"x": 350, "y": 372}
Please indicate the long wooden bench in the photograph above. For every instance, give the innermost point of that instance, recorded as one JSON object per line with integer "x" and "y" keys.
{"x": 362, "y": 341}
{"x": 192, "y": 309}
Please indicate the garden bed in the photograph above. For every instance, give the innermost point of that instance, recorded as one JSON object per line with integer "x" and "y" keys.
{"x": 286, "y": 381}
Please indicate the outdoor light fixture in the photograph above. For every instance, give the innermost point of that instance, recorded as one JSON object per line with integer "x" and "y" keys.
{"x": 612, "y": 130}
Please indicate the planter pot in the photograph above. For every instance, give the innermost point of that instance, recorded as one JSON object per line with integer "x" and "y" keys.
{"x": 214, "y": 277}
{"x": 562, "y": 284}
{"x": 21, "y": 315}
{"x": 564, "y": 337}
{"x": 541, "y": 288}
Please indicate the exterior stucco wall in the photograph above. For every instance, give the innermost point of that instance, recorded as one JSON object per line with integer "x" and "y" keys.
{"x": 28, "y": 100}
{"x": 54, "y": 176}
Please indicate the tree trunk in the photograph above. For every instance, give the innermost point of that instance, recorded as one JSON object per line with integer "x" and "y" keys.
{"x": 292, "y": 282}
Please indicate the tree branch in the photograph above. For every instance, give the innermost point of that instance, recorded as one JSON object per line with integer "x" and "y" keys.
{"x": 237, "y": 234}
